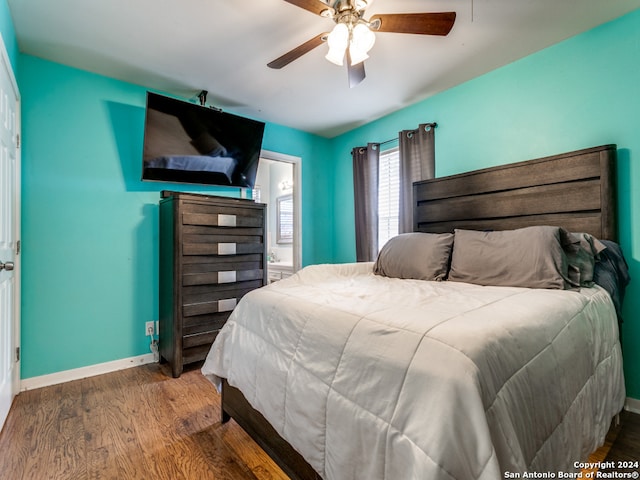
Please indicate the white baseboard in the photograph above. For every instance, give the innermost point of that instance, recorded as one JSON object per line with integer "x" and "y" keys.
{"x": 632, "y": 405}
{"x": 84, "y": 372}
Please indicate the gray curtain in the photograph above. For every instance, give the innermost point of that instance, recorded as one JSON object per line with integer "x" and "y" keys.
{"x": 417, "y": 162}
{"x": 365, "y": 188}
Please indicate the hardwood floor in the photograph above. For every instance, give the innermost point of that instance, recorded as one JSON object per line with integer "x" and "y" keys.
{"x": 624, "y": 453}
{"x": 142, "y": 424}
{"x": 137, "y": 423}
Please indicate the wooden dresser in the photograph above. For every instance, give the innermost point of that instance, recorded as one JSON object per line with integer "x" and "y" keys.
{"x": 212, "y": 252}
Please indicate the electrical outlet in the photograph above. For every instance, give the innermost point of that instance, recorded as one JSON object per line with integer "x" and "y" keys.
{"x": 149, "y": 328}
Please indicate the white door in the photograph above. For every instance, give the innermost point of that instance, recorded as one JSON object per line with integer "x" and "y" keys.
{"x": 9, "y": 229}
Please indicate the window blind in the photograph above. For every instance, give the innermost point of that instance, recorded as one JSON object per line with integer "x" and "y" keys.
{"x": 388, "y": 195}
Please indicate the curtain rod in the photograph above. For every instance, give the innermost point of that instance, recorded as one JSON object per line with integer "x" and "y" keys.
{"x": 432, "y": 125}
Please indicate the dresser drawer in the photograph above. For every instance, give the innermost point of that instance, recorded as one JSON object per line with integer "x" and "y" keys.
{"x": 204, "y": 323}
{"x": 204, "y": 338}
{"x": 221, "y": 220}
{"x": 206, "y": 300}
{"x": 278, "y": 271}
{"x": 221, "y": 248}
{"x": 211, "y": 306}
{"x": 195, "y": 354}
{"x": 219, "y": 277}
{"x": 212, "y": 270}
{"x": 221, "y": 215}
{"x": 200, "y": 234}
{"x": 274, "y": 276}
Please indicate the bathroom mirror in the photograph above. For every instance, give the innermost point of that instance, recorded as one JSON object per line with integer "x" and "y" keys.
{"x": 284, "y": 219}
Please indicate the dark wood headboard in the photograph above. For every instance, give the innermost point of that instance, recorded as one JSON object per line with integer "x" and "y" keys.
{"x": 575, "y": 190}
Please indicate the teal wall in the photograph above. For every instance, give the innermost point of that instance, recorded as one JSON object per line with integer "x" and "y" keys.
{"x": 580, "y": 93}
{"x": 89, "y": 225}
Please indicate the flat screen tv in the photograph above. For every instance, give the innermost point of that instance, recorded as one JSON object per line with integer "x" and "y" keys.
{"x": 189, "y": 143}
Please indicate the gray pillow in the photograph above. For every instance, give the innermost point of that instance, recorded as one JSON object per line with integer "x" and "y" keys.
{"x": 582, "y": 251}
{"x": 420, "y": 256}
{"x": 528, "y": 257}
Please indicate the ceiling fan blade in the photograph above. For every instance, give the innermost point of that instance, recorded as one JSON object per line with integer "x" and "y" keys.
{"x": 419, "y": 23}
{"x": 356, "y": 72}
{"x": 297, "y": 52}
{"x": 314, "y": 6}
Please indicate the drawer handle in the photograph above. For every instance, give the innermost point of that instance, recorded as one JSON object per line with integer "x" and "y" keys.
{"x": 226, "y": 249}
{"x": 227, "y": 277}
{"x": 227, "y": 304}
{"x": 226, "y": 220}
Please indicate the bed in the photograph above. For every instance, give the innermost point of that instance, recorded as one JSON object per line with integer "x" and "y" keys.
{"x": 367, "y": 371}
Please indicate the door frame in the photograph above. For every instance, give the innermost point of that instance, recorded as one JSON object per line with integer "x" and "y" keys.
{"x": 296, "y": 163}
{"x": 15, "y": 381}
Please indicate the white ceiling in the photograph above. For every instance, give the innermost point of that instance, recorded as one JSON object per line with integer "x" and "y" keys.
{"x": 223, "y": 46}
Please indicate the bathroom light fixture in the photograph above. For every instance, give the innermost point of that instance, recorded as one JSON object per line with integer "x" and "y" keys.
{"x": 285, "y": 185}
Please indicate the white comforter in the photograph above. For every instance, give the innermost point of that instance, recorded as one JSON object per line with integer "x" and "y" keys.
{"x": 376, "y": 378}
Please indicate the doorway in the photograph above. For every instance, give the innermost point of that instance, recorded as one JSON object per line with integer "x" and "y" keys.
{"x": 278, "y": 184}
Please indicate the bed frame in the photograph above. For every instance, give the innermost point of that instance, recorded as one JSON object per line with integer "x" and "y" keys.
{"x": 575, "y": 190}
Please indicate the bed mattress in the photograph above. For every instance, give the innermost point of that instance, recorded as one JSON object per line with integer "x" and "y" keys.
{"x": 374, "y": 377}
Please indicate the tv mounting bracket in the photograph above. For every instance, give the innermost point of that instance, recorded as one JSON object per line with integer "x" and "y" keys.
{"x": 202, "y": 96}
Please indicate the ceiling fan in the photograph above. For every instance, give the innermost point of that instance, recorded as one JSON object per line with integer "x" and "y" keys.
{"x": 353, "y": 36}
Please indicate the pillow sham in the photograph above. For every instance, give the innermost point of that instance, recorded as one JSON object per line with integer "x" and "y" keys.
{"x": 418, "y": 256}
{"x": 529, "y": 257}
{"x": 582, "y": 250}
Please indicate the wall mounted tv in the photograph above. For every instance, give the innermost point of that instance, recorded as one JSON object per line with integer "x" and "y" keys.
{"x": 189, "y": 143}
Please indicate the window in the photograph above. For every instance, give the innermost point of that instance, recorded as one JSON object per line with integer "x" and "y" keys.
{"x": 284, "y": 219}
{"x": 388, "y": 195}
{"x": 256, "y": 194}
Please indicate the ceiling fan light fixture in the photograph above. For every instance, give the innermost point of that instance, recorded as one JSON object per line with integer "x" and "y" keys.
{"x": 362, "y": 4}
{"x": 357, "y": 56}
{"x": 362, "y": 40}
{"x": 353, "y": 31}
{"x": 338, "y": 42}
